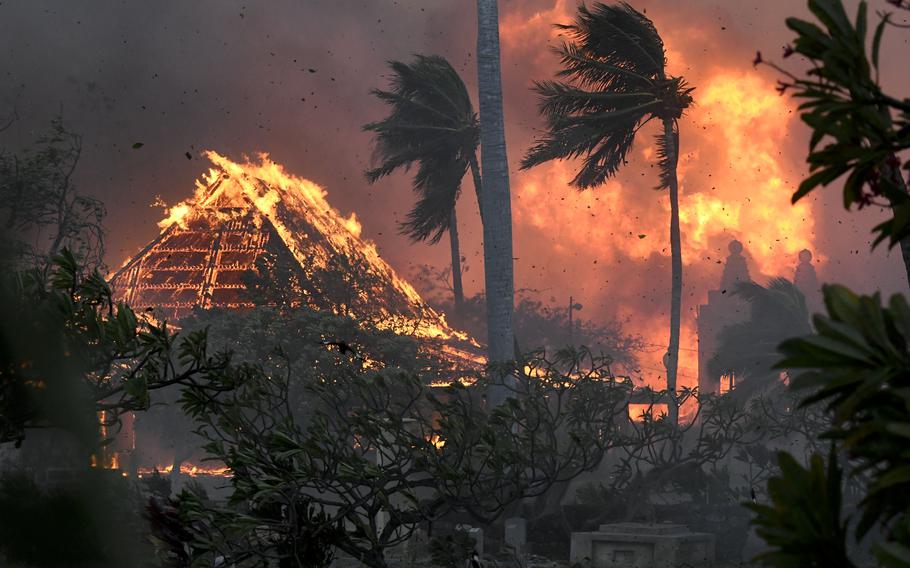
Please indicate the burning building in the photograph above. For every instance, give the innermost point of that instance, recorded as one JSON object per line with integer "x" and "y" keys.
{"x": 725, "y": 308}
{"x": 253, "y": 234}
{"x": 722, "y": 309}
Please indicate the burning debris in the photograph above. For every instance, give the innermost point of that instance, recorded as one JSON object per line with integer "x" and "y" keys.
{"x": 189, "y": 469}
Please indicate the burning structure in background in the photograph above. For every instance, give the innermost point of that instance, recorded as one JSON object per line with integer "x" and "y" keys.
{"x": 254, "y": 235}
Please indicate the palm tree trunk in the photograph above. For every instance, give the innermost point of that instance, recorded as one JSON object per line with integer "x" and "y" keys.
{"x": 496, "y": 199}
{"x": 478, "y": 185}
{"x": 457, "y": 289}
{"x": 672, "y": 144}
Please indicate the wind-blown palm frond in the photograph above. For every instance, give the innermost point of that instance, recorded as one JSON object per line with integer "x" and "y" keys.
{"x": 431, "y": 215}
{"x": 777, "y": 301}
{"x": 614, "y": 81}
{"x": 431, "y": 125}
{"x": 619, "y": 35}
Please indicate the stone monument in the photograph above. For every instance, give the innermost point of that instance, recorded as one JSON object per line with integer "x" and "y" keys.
{"x": 640, "y": 545}
{"x": 722, "y": 309}
{"x": 806, "y": 280}
{"x": 516, "y": 535}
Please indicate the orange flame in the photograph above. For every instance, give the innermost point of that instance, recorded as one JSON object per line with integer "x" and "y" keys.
{"x": 187, "y": 469}
{"x": 267, "y": 186}
{"x": 639, "y": 411}
{"x": 609, "y": 247}
{"x": 733, "y": 184}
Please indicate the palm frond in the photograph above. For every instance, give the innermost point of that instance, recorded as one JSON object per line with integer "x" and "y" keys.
{"x": 749, "y": 349}
{"x": 610, "y": 155}
{"x": 603, "y": 141}
{"x": 561, "y": 99}
{"x": 614, "y": 81}
{"x": 779, "y": 297}
{"x": 584, "y": 68}
{"x": 402, "y": 104}
{"x": 437, "y": 185}
{"x": 432, "y": 126}
{"x": 618, "y": 34}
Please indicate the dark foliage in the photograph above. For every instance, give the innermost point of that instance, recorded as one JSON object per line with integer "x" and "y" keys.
{"x": 42, "y": 211}
{"x": 857, "y": 364}
{"x": 451, "y": 551}
{"x": 538, "y": 326}
{"x": 749, "y": 349}
{"x": 378, "y": 452}
{"x": 90, "y": 522}
{"x": 858, "y": 130}
{"x": 805, "y": 524}
{"x": 69, "y": 351}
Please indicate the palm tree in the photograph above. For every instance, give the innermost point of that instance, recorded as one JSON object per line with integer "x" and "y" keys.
{"x": 614, "y": 82}
{"x": 748, "y": 350}
{"x": 496, "y": 204}
{"x": 431, "y": 124}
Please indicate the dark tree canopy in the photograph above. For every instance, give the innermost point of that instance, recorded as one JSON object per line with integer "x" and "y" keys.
{"x": 748, "y": 350}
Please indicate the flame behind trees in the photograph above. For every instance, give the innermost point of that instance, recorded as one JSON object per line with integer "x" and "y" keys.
{"x": 377, "y": 453}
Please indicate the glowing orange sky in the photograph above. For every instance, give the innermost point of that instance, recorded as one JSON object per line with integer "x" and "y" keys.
{"x": 614, "y": 240}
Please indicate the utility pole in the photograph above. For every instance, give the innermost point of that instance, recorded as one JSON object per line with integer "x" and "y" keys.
{"x": 573, "y": 305}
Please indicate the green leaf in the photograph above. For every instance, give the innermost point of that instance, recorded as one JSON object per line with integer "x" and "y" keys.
{"x": 808, "y": 31}
{"x": 822, "y": 177}
{"x": 898, "y": 476}
{"x": 894, "y": 552}
{"x": 137, "y": 387}
{"x": 877, "y": 38}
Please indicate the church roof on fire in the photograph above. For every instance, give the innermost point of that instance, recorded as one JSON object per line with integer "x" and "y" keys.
{"x": 253, "y": 234}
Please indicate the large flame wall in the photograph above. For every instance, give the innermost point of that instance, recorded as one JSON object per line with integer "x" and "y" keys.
{"x": 609, "y": 246}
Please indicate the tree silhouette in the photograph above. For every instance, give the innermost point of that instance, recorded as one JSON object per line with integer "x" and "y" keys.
{"x": 748, "y": 349}
{"x": 614, "y": 82}
{"x": 431, "y": 124}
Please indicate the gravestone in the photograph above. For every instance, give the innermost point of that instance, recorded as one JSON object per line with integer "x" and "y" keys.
{"x": 640, "y": 545}
{"x": 516, "y": 531}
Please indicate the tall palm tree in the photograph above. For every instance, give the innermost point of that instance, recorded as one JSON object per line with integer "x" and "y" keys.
{"x": 497, "y": 201}
{"x": 431, "y": 124}
{"x": 614, "y": 81}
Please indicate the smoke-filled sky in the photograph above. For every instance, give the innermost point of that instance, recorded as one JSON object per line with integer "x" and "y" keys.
{"x": 292, "y": 78}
